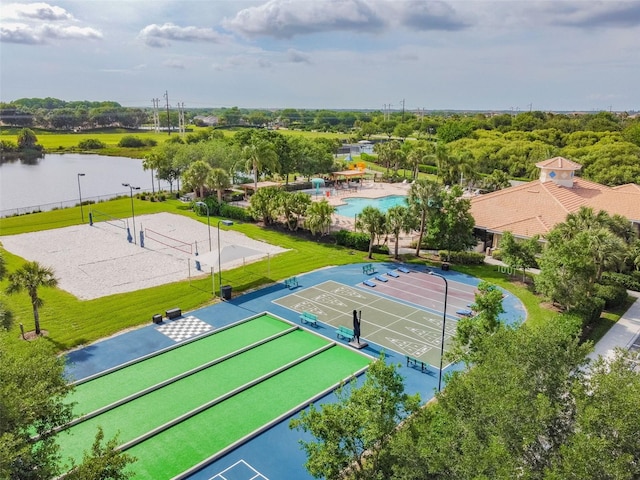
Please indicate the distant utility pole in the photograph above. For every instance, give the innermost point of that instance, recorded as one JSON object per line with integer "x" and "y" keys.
{"x": 156, "y": 117}
{"x": 166, "y": 96}
{"x": 530, "y": 107}
{"x": 181, "y": 125}
{"x": 402, "y": 101}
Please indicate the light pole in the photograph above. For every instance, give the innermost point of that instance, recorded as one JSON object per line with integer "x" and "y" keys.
{"x": 80, "y": 195}
{"x": 227, "y": 223}
{"x": 133, "y": 215}
{"x": 444, "y": 322}
{"x": 208, "y": 221}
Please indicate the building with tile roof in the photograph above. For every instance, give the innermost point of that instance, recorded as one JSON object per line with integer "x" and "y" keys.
{"x": 534, "y": 208}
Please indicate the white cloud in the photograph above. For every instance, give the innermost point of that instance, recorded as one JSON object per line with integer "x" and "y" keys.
{"x": 43, "y": 34}
{"x": 160, "y": 35}
{"x": 35, "y": 11}
{"x": 433, "y": 15}
{"x": 40, "y": 23}
{"x": 288, "y": 18}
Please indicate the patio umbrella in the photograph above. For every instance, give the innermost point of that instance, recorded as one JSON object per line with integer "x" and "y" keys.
{"x": 317, "y": 182}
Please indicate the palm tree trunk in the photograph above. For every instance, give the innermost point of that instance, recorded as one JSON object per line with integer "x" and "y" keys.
{"x": 36, "y": 318}
{"x": 422, "y": 225}
{"x": 396, "y": 252}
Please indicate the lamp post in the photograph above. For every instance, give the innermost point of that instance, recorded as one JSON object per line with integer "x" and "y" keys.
{"x": 208, "y": 221}
{"x": 80, "y": 195}
{"x": 227, "y": 223}
{"x": 133, "y": 215}
{"x": 444, "y": 322}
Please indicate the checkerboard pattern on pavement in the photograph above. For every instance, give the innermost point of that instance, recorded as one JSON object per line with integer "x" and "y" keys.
{"x": 183, "y": 328}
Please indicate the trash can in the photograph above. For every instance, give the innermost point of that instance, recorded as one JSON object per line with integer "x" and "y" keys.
{"x": 226, "y": 292}
{"x": 445, "y": 266}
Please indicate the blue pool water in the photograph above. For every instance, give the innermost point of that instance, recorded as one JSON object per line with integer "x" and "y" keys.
{"x": 355, "y": 205}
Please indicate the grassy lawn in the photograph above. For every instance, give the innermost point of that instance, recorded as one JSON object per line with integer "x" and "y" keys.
{"x": 72, "y": 322}
{"x": 59, "y": 142}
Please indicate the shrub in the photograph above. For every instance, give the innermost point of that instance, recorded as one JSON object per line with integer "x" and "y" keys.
{"x": 357, "y": 241}
{"x": 130, "y": 141}
{"x": 462, "y": 258}
{"x": 237, "y": 213}
{"x": 630, "y": 282}
{"x": 8, "y": 146}
{"x": 589, "y": 310}
{"x": 91, "y": 144}
{"x": 431, "y": 169}
{"x": 212, "y": 203}
{"x": 613, "y": 295}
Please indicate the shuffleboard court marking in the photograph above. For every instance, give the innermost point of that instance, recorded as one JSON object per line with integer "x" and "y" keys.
{"x": 330, "y": 300}
{"x": 241, "y": 470}
{"x": 187, "y": 327}
{"x": 398, "y": 325}
{"x": 308, "y": 307}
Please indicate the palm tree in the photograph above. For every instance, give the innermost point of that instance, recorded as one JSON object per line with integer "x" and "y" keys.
{"x": 372, "y": 221}
{"x": 422, "y": 196}
{"x": 319, "y": 217}
{"x": 260, "y": 154}
{"x": 400, "y": 219}
{"x": 419, "y": 155}
{"x": 30, "y": 277}
{"x": 197, "y": 176}
{"x": 218, "y": 180}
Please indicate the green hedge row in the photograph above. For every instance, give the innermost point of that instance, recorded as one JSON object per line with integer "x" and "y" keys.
{"x": 358, "y": 241}
{"x": 463, "y": 258}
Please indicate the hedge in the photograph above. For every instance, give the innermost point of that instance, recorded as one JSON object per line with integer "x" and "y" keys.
{"x": 630, "y": 282}
{"x": 613, "y": 295}
{"x": 462, "y": 258}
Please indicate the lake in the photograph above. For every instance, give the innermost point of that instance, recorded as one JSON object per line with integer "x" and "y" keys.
{"x": 52, "y": 181}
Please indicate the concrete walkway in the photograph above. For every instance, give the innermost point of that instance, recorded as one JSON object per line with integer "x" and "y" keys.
{"x": 624, "y": 334}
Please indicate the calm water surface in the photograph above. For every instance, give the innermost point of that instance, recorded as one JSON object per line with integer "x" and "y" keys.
{"x": 354, "y": 205}
{"x": 53, "y": 179}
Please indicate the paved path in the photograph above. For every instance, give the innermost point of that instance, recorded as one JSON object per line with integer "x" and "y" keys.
{"x": 624, "y": 334}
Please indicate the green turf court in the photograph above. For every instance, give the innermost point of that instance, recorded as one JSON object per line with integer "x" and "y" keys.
{"x": 398, "y": 326}
{"x": 184, "y": 405}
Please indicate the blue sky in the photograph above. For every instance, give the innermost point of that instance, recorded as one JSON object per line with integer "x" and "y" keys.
{"x": 473, "y": 54}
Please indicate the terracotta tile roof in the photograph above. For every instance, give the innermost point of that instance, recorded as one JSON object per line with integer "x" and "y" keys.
{"x": 535, "y": 207}
{"x": 629, "y": 187}
{"x": 559, "y": 163}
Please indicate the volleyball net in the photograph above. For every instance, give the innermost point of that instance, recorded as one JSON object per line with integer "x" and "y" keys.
{"x": 167, "y": 241}
{"x": 96, "y": 216}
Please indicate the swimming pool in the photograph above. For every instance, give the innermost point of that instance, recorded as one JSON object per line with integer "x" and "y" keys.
{"x": 354, "y": 205}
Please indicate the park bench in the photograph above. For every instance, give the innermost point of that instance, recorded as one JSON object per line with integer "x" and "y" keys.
{"x": 173, "y": 313}
{"x": 404, "y": 270}
{"x": 369, "y": 283}
{"x": 393, "y": 274}
{"x": 380, "y": 278}
{"x": 291, "y": 283}
{"x": 309, "y": 318}
{"x": 157, "y": 318}
{"x": 412, "y": 361}
{"x": 344, "y": 332}
{"x": 464, "y": 313}
{"x": 368, "y": 269}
